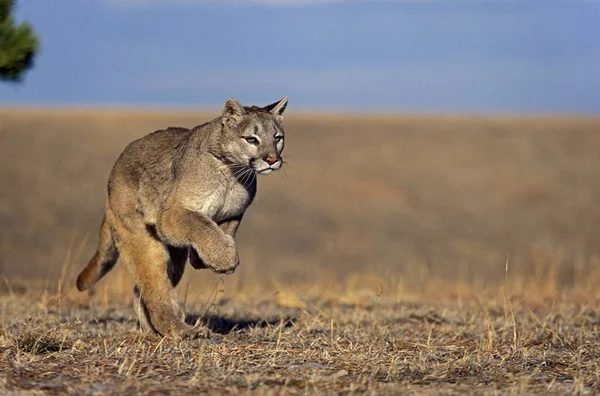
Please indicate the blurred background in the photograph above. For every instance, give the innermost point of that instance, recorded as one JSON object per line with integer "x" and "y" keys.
{"x": 426, "y": 140}
{"x": 460, "y": 56}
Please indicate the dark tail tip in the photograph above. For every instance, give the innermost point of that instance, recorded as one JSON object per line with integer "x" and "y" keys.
{"x": 87, "y": 277}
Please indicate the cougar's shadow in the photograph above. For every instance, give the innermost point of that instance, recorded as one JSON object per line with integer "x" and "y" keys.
{"x": 222, "y": 325}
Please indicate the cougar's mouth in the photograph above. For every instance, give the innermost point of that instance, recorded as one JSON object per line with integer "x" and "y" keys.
{"x": 265, "y": 171}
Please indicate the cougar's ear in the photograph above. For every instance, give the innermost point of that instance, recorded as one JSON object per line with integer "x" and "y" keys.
{"x": 232, "y": 112}
{"x": 277, "y": 108}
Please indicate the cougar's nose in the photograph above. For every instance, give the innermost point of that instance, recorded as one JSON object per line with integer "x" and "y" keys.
{"x": 271, "y": 158}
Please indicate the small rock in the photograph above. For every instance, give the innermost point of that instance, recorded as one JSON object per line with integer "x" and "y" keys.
{"x": 338, "y": 374}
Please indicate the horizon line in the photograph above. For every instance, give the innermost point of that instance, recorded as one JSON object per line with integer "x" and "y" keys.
{"x": 298, "y": 111}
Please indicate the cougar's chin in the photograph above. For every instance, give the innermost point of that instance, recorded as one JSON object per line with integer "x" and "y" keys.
{"x": 269, "y": 168}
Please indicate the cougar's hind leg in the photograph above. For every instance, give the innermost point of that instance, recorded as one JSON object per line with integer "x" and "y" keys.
{"x": 103, "y": 260}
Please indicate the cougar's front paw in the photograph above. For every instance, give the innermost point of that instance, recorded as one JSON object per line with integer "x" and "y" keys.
{"x": 223, "y": 258}
{"x": 185, "y": 332}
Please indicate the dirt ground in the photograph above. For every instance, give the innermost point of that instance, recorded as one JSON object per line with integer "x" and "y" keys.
{"x": 395, "y": 254}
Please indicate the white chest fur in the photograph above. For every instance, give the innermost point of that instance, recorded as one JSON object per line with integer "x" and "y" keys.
{"x": 222, "y": 203}
{"x": 235, "y": 203}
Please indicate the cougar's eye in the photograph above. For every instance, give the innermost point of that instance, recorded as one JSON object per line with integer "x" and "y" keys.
{"x": 251, "y": 140}
{"x": 278, "y": 139}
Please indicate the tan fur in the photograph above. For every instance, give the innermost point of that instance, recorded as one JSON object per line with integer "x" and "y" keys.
{"x": 183, "y": 192}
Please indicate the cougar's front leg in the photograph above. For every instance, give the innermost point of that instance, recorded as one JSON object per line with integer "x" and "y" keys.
{"x": 183, "y": 227}
{"x": 152, "y": 267}
{"x": 229, "y": 227}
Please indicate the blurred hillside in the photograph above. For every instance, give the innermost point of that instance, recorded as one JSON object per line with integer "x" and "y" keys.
{"x": 412, "y": 198}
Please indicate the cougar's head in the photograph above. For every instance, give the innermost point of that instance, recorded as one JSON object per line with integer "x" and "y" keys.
{"x": 253, "y": 136}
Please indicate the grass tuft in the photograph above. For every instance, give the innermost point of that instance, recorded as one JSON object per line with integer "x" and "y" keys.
{"x": 39, "y": 345}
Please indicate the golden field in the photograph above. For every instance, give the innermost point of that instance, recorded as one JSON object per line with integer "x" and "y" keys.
{"x": 395, "y": 254}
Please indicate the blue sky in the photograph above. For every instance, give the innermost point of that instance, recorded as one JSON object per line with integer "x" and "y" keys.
{"x": 450, "y": 56}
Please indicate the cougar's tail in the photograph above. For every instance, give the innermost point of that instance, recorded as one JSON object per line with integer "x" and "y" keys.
{"x": 103, "y": 261}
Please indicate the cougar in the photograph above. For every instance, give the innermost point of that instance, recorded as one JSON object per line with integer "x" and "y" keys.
{"x": 179, "y": 193}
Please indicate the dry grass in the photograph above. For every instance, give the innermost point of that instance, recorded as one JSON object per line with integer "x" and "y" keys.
{"x": 384, "y": 269}
{"x": 305, "y": 345}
